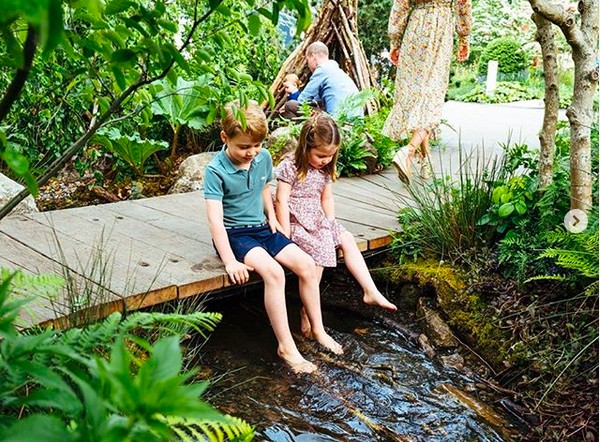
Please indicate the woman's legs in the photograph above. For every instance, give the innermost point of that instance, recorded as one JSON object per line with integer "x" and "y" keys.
{"x": 274, "y": 297}
{"x": 303, "y": 265}
{"x": 357, "y": 266}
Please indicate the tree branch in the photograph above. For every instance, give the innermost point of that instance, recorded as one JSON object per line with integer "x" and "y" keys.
{"x": 16, "y": 86}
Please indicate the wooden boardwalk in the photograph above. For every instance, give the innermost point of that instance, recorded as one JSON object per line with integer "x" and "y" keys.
{"x": 134, "y": 254}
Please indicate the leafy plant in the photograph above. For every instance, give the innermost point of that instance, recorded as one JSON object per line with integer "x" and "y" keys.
{"x": 509, "y": 54}
{"x": 130, "y": 148}
{"x": 63, "y": 387}
{"x": 442, "y": 217}
{"x": 183, "y": 104}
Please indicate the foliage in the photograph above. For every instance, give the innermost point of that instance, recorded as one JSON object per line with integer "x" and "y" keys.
{"x": 187, "y": 103}
{"x": 506, "y": 92}
{"x": 117, "y": 49}
{"x": 373, "y": 15}
{"x": 131, "y": 148}
{"x": 494, "y": 19}
{"x": 442, "y": 218}
{"x": 509, "y": 54}
{"x": 103, "y": 383}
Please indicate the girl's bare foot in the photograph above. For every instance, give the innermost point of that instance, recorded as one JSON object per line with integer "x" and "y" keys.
{"x": 305, "y": 327}
{"x": 329, "y": 343}
{"x": 377, "y": 299}
{"x": 297, "y": 363}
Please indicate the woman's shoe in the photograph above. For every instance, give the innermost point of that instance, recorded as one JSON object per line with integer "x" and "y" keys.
{"x": 400, "y": 162}
{"x": 425, "y": 168}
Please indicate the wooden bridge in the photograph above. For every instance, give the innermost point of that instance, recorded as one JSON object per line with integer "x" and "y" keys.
{"x": 134, "y": 254}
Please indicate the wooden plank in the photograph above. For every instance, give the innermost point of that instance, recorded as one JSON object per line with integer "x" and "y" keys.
{"x": 76, "y": 254}
{"x": 159, "y": 264}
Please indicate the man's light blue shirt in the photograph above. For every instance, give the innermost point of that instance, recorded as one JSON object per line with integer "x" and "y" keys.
{"x": 331, "y": 85}
{"x": 239, "y": 190}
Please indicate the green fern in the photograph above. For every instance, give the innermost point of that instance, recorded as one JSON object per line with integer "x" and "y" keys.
{"x": 230, "y": 429}
{"x": 102, "y": 334}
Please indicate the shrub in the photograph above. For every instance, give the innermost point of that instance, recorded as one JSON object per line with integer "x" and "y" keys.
{"x": 509, "y": 54}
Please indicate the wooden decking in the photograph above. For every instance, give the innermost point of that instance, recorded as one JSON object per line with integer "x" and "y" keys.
{"x": 134, "y": 254}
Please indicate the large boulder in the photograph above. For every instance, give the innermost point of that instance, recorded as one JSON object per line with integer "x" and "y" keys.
{"x": 190, "y": 176}
{"x": 8, "y": 189}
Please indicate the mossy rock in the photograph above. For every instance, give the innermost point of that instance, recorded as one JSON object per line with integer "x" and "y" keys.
{"x": 466, "y": 312}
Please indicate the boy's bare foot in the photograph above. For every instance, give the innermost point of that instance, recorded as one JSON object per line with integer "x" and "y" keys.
{"x": 305, "y": 327}
{"x": 329, "y": 343}
{"x": 377, "y": 299}
{"x": 298, "y": 364}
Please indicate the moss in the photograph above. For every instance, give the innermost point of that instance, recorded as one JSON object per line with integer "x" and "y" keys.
{"x": 466, "y": 312}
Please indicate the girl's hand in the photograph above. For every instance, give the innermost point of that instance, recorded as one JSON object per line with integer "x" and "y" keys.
{"x": 463, "y": 50}
{"x": 394, "y": 52}
{"x": 238, "y": 272}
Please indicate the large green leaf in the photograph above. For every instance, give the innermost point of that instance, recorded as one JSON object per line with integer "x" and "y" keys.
{"x": 183, "y": 104}
{"x": 131, "y": 148}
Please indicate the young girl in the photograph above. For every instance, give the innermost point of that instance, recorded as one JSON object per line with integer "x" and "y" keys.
{"x": 305, "y": 210}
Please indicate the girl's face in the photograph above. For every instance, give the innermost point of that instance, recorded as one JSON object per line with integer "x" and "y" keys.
{"x": 290, "y": 87}
{"x": 321, "y": 156}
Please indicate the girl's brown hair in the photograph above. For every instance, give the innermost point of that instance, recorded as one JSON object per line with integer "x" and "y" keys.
{"x": 318, "y": 130}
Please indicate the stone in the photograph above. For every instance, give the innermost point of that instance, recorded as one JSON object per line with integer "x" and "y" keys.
{"x": 436, "y": 329}
{"x": 281, "y": 142}
{"x": 10, "y": 188}
{"x": 190, "y": 176}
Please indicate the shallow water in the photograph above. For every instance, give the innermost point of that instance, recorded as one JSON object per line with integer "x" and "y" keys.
{"x": 383, "y": 388}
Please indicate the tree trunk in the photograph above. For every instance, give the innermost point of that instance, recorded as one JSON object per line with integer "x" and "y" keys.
{"x": 583, "y": 39}
{"x": 545, "y": 37}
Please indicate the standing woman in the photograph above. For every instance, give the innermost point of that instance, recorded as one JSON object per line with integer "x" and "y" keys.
{"x": 421, "y": 34}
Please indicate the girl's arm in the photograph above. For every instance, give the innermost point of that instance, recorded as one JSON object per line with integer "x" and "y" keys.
{"x": 270, "y": 210}
{"x": 282, "y": 207}
{"x": 237, "y": 271}
{"x": 327, "y": 202}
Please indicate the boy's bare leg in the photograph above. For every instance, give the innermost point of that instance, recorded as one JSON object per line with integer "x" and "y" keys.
{"x": 274, "y": 280}
{"x": 303, "y": 265}
{"x": 358, "y": 267}
{"x": 304, "y": 321}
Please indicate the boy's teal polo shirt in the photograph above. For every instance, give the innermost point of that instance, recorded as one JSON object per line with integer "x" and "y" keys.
{"x": 239, "y": 190}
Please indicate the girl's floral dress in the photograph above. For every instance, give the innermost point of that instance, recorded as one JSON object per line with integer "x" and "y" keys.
{"x": 310, "y": 228}
{"x": 423, "y": 30}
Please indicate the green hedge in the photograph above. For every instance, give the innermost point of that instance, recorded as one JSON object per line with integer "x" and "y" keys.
{"x": 512, "y": 59}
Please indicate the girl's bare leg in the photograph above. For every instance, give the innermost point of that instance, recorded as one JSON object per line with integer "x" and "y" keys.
{"x": 274, "y": 297}
{"x": 358, "y": 267}
{"x": 303, "y": 265}
{"x": 304, "y": 321}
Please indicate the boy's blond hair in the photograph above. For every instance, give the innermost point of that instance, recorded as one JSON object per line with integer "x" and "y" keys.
{"x": 292, "y": 78}
{"x": 256, "y": 121}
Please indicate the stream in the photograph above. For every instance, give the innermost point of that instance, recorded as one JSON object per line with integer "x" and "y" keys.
{"x": 383, "y": 388}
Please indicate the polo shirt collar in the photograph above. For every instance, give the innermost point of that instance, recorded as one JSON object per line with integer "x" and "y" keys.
{"x": 229, "y": 166}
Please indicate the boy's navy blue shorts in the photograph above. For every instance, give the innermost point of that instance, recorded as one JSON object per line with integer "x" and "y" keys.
{"x": 244, "y": 239}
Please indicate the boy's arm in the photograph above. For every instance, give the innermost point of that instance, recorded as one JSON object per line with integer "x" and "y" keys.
{"x": 270, "y": 210}
{"x": 282, "y": 207}
{"x": 327, "y": 202}
{"x": 237, "y": 271}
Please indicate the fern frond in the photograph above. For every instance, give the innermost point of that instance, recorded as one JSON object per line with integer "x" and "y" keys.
{"x": 230, "y": 429}
{"x": 198, "y": 321}
{"x": 582, "y": 262}
{"x": 549, "y": 277}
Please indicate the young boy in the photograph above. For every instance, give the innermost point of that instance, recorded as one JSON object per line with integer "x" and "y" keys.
{"x": 244, "y": 226}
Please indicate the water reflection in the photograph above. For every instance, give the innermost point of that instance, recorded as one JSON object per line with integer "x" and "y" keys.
{"x": 382, "y": 389}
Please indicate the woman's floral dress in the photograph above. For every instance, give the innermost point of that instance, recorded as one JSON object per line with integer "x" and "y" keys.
{"x": 310, "y": 228}
{"x": 423, "y": 30}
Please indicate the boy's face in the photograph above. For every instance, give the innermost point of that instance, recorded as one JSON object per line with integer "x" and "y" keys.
{"x": 241, "y": 149}
{"x": 290, "y": 87}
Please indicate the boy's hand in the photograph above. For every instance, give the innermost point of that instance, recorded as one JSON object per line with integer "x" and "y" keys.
{"x": 238, "y": 272}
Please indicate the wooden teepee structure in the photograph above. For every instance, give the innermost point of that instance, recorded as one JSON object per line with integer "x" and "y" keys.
{"x": 336, "y": 26}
